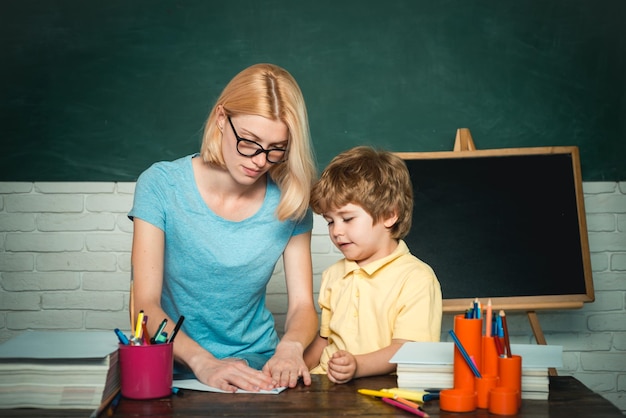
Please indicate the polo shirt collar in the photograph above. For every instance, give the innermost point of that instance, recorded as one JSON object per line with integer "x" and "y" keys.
{"x": 371, "y": 268}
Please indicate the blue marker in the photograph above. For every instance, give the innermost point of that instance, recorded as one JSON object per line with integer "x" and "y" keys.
{"x": 120, "y": 336}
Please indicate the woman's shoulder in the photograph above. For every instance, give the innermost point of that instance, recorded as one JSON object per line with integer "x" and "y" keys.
{"x": 167, "y": 170}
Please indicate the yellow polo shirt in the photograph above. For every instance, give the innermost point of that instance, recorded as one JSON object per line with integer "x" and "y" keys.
{"x": 364, "y": 308}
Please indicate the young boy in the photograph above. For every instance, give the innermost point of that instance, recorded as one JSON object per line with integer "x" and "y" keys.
{"x": 380, "y": 296}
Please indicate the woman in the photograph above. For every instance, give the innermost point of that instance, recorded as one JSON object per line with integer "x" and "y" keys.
{"x": 210, "y": 227}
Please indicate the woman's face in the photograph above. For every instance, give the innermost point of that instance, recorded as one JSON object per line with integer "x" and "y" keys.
{"x": 248, "y": 134}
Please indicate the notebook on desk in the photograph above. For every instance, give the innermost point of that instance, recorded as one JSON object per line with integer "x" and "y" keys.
{"x": 59, "y": 370}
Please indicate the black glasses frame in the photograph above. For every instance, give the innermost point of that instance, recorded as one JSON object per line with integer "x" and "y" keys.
{"x": 259, "y": 147}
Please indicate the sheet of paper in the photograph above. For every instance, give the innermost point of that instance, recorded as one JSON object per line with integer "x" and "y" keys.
{"x": 194, "y": 384}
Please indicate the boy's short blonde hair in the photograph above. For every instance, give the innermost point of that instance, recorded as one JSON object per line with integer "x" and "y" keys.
{"x": 376, "y": 180}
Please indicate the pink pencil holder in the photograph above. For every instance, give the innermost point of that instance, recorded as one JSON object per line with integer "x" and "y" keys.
{"x": 146, "y": 370}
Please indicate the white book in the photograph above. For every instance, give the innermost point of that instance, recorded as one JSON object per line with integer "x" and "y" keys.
{"x": 422, "y": 365}
{"x": 59, "y": 369}
{"x": 533, "y": 356}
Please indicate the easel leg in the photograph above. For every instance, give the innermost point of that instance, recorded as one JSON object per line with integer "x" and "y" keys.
{"x": 539, "y": 337}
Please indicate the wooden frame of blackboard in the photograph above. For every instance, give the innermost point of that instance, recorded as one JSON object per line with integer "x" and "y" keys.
{"x": 526, "y": 162}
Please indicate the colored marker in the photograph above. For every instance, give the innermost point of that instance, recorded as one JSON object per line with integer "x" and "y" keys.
{"x": 404, "y": 407}
{"x": 159, "y": 331}
{"x": 412, "y": 395}
{"x": 376, "y": 393}
{"x": 138, "y": 325}
{"x": 176, "y": 328}
{"x": 146, "y": 335}
{"x": 162, "y": 338}
{"x": 466, "y": 356}
{"x": 120, "y": 336}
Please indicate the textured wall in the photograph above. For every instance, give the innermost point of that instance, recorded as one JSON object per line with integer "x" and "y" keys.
{"x": 65, "y": 263}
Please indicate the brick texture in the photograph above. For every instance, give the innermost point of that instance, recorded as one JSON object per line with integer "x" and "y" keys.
{"x": 65, "y": 263}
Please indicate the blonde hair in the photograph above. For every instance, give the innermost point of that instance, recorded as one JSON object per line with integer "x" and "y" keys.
{"x": 269, "y": 91}
{"x": 378, "y": 181}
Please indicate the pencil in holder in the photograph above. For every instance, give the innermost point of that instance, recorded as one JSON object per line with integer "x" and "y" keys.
{"x": 469, "y": 333}
{"x": 489, "y": 360}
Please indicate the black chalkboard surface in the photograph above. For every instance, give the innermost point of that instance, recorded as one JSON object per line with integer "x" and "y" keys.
{"x": 99, "y": 90}
{"x": 505, "y": 224}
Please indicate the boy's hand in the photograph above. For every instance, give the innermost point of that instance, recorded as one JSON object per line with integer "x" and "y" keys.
{"x": 341, "y": 367}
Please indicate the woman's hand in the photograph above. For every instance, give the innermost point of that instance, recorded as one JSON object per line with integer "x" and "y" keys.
{"x": 287, "y": 365}
{"x": 341, "y": 367}
{"x": 231, "y": 374}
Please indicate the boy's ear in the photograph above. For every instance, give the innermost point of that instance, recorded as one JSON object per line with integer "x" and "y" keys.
{"x": 391, "y": 219}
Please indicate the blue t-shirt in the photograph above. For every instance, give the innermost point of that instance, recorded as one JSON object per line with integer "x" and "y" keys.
{"x": 215, "y": 270}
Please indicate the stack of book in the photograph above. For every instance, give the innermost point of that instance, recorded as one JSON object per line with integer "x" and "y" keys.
{"x": 59, "y": 370}
{"x": 422, "y": 365}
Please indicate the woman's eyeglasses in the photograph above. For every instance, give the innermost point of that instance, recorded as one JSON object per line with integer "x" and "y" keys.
{"x": 249, "y": 148}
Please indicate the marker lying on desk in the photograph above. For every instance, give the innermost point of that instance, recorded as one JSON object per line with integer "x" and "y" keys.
{"x": 412, "y": 395}
{"x": 377, "y": 393}
{"x": 404, "y": 407}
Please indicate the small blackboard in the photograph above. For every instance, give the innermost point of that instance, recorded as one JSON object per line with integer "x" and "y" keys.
{"x": 505, "y": 224}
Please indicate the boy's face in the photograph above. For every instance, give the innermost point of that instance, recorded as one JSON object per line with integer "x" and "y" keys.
{"x": 354, "y": 233}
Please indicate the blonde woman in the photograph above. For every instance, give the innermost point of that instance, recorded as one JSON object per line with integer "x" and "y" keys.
{"x": 210, "y": 227}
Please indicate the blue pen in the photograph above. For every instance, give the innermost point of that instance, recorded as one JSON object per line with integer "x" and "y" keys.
{"x": 120, "y": 336}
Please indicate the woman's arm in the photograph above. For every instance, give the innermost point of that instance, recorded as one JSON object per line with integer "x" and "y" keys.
{"x": 147, "y": 272}
{"x": 287, "y": 364}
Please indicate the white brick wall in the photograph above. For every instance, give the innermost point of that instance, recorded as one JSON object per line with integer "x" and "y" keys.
{"x": 65, "y": 263}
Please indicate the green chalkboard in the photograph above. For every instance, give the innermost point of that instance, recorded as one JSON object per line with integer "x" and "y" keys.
{"x": 97, "y": 91}
{"x": 505, "y": 224}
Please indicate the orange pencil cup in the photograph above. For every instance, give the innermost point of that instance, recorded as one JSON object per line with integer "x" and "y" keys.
{"x": 457, "y": 400}
{"x": 146, "y": 371}
{"x": 483, "y": 387}
{"x": 510, "y": 372}
{"x": 503, "y": 401}
{"x": 489, "y": 357}
{"x": 469, "y": 333}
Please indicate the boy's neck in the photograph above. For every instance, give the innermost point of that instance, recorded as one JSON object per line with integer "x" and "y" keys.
{"x": 385, "y": 250}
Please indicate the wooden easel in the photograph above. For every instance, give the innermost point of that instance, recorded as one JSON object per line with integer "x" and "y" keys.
{"x": 464, "y": 142}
